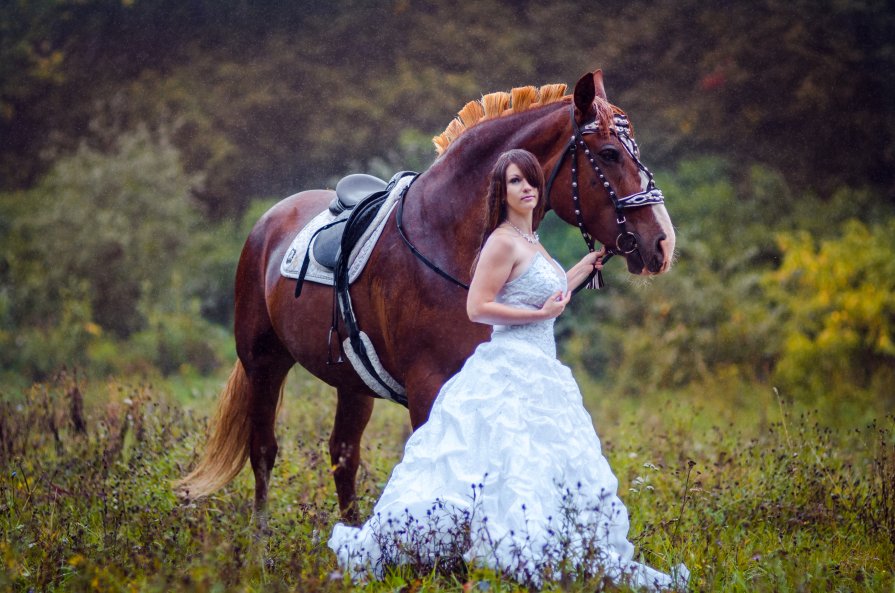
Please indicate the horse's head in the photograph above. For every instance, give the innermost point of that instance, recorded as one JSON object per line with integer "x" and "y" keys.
{"x": 613, "y": 197}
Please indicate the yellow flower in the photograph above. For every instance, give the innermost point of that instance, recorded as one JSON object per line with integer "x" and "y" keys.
{"x": 76, "y": 560}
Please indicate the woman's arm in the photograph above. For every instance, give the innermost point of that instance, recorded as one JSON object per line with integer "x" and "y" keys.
{"x": 580, "y": 271}
{"x": 496, "y": 262}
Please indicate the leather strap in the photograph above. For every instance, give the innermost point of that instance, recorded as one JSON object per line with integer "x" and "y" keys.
{"x": 399, "y": 221}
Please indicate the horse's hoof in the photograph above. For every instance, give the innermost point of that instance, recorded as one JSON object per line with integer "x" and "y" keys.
{"x": 262, "y": 528}
{"x": 351, "y": 516}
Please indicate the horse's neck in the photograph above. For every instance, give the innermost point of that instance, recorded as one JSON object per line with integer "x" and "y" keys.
{"x": 455, "y": 185}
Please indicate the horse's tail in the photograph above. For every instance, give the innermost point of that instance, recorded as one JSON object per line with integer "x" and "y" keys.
{"x": 228, "y": 442}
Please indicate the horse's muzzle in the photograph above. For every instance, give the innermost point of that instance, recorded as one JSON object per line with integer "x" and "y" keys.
{"x": 649, "y": 259}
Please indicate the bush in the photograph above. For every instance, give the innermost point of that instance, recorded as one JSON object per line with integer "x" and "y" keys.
{"x": 107, "y": 225}
{"x": 837, "y": 300}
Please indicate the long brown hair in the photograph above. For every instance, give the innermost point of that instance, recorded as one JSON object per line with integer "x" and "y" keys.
{"x": 496, "y": 198}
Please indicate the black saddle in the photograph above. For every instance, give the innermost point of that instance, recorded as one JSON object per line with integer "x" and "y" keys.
{"x": 326, "y": 244}
{"x": 358, "y": 197}
{"x": 351, "y": 189}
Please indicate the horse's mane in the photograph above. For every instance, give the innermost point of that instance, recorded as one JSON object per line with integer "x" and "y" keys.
{"x": 501, "y": 103}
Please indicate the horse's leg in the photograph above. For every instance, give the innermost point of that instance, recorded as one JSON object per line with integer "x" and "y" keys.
{"x": 244, "y": 422}
{"x": 424, "y": 381}
{"x": 266, "y": 362}
{"x": 352, "y": 414}
{"x": 267, "y": 381}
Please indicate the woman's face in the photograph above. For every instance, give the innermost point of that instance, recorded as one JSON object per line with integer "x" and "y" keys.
{"x": 522, "y": 197}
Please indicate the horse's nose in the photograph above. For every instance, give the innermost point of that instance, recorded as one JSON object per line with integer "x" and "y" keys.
{"x": 664, "y": 252}
{"x": 657, "y": 262}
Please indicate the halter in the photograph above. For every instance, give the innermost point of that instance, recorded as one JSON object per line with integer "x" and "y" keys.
{"x": 650, "y": 195}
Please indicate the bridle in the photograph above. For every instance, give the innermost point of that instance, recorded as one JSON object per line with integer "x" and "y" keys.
{"x": 625, "y": 243}
{"x": 650, "y": 194}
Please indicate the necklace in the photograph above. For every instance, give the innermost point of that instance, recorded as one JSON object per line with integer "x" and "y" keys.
{"x": 532, "y": 238}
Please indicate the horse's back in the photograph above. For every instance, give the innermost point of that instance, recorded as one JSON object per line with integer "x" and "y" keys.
{"x": 279, "y": 225}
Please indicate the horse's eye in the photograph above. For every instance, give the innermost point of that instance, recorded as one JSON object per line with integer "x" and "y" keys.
{"x": 610, "y": 155}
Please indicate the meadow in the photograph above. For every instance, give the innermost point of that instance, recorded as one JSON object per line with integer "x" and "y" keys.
{"x": 753, "y": 491}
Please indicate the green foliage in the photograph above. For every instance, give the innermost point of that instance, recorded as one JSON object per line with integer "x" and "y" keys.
{"x": 706, "y": 318}
{"x": 29, "y": 351}
{"x": 837, "y": 298}
{"x": 107, "y": 247}
{"x": 724, "y": 314}
{"x": 206, "y": 269}
{"x": 179, "y": 341}
{"x": 267, "y": 98}
{"x": 108, "y": 225}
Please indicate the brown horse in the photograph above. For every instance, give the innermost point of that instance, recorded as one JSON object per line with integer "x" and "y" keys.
{"x": 415, "y": 318}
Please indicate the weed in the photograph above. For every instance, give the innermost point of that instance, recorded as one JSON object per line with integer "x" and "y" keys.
{"x": 792, "y": 501}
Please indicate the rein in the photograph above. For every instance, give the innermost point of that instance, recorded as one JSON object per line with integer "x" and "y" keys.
{"x": 399, "y": 222}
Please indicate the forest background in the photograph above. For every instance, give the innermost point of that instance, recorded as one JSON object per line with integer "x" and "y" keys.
{"x": 745, "y": 400}
{"x": 140, "y": 141}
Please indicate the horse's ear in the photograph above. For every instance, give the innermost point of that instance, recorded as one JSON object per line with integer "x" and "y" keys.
{"x": 589, "y": 86}
{"x": 585, "y": 91}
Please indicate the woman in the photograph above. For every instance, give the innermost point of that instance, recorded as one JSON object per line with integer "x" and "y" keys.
{"x": 507, "y": 471}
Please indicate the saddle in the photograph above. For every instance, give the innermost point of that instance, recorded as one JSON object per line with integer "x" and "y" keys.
{"x": 357, "y": 201}
{"x": 350, "y": 191}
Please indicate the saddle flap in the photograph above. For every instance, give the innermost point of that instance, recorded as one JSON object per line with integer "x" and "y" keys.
{"x": 327, "y": 244}
{"x": 353, "y": 188}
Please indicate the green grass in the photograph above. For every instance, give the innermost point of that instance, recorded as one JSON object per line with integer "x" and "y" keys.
{"x": 752, "y": 492}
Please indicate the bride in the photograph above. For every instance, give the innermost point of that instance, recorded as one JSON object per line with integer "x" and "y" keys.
{"x": 507, "y": 472}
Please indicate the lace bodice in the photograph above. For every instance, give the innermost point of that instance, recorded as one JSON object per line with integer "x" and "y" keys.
{"x": 529, "y": 291}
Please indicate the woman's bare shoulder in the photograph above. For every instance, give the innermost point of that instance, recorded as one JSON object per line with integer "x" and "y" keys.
{"x": 500, "y": 246}
{"x": 500, "y": 239}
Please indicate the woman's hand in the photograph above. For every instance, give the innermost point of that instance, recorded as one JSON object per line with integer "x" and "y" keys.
{"x": 580, "y": 271}
{"x": 556, "y": 304}
{"x": 594, "y": 259}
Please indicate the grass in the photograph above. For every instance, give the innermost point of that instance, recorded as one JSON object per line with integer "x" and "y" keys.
{"x": 752, "y": 492}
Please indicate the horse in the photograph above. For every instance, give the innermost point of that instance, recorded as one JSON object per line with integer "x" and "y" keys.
{"x": 416, "y": 318}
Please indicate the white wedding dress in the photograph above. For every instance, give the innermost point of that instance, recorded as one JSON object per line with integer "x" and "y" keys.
{"x": 507, "y": 471}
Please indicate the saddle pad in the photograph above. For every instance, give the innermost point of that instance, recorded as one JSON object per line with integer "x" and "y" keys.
{"x": 291, "y": 265}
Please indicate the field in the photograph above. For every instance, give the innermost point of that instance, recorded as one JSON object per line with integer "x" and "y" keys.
{"x": 751, "y": 491}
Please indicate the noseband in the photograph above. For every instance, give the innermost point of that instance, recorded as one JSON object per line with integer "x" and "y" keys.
{"x": 650, "y": 195}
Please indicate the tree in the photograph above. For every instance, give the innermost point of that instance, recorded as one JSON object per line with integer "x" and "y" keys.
{"x": 104, "y": 228}
{"x": 268, "y": 97}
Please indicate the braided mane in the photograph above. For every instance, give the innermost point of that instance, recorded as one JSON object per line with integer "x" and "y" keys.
{"x": 500, "y": 104}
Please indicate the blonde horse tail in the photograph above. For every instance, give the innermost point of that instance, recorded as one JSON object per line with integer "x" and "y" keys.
{"x": 228, "y": 443}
